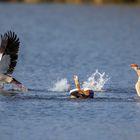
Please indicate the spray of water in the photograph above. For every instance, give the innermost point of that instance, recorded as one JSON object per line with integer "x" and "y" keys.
{"x": 96, "y": 81}
{"x": 61, "y": 86}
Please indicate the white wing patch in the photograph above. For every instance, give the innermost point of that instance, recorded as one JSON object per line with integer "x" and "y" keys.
{"x": 0, "y": 53}
{"x": 1, "y": 56}
{"x": 4, "y": 63}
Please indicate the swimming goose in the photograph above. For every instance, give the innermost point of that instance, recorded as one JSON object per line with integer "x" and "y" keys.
{"x": 137, "y": 85}
{"x": 8, "y": 59}
{"x": 80, "y": 93}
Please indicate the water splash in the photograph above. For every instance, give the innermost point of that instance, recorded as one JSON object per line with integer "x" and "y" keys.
{"x": 96, "y": 81}
{"x": 61, "y": 86}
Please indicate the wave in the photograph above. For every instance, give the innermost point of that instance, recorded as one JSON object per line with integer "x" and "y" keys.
{"x": 107, "y": 90}
{"x": 67, "y": 98}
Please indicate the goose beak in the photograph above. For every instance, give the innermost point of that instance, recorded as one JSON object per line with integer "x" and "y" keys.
{"x": 133, "y": 65}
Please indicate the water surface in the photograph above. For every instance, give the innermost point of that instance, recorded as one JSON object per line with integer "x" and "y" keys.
{"x": 58, "y": 41}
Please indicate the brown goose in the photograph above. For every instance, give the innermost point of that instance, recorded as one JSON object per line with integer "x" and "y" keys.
{"x": 137, "y": 85}
{"x": 8, "y": 59}
{"x": 80, "y": 93}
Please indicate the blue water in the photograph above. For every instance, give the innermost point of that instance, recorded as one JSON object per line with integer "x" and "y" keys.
{"x": 58, "y": 41}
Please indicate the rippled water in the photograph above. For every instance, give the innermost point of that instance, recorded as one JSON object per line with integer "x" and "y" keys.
{"x": 58, "y": 41}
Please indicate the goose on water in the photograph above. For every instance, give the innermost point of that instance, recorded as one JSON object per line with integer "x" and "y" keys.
{"x": 80, "y": 93}
{"x": 137, "y": 85}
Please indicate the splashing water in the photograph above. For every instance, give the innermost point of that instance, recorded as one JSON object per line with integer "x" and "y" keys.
{"x": 61, "y": 86}
{"x": 96, "y": 81}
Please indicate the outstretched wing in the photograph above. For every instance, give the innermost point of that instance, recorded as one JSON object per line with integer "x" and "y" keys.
{"x": 8, "y": 52}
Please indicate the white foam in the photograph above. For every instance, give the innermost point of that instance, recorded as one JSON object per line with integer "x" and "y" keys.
{"x": 96, "y": 81}
{"x": 61, "y": 86}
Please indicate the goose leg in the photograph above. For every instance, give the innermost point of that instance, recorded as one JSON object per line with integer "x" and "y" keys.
{"x": 19, "y": 85}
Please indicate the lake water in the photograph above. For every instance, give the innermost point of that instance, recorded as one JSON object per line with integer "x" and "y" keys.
{"x": 58, "y": 41}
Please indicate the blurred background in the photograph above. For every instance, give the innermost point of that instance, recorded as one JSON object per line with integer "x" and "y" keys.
{"x": 77, "y": 1}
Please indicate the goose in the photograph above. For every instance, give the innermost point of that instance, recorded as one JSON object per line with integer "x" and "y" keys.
{"x": 8, "y": 59}
{"x": 137, "y": 85}
{"x": 80, "y": 93}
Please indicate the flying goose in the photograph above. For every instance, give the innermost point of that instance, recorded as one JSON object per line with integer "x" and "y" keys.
{"x": 8, "y": 59}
